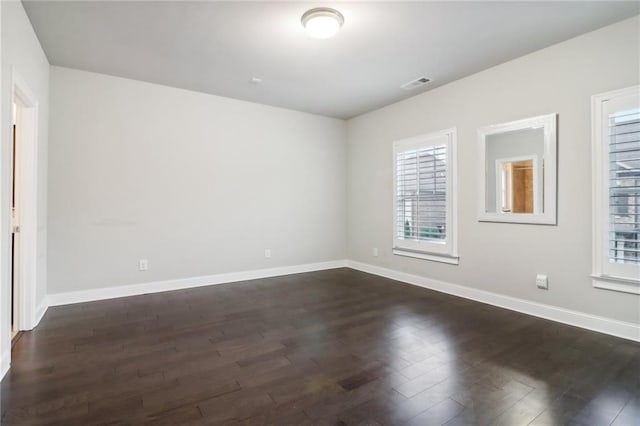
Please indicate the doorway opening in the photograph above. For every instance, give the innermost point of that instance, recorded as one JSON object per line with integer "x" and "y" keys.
{"x": 15, "y": 227}
{"x": 22, "y": 209}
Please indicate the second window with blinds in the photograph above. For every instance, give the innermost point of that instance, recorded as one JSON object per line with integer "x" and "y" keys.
{"x": 616, "y": 190}
{"x": 424, "y": 219}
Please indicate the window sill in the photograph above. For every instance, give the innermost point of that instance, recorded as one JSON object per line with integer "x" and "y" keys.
{"x": 616, "y": 284}
{"x": 443, "y": 258}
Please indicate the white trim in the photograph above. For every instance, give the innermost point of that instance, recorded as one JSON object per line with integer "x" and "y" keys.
{"x": 5, "y": 332}
{"x": 42, "y": 309}
{"x": 616, "y": 284}
{"x": 431, "y": 250}
{"x": 426, "y": 256}
{"x": 5, "y": 363}
{"x": 616, "y": 277}
{"x": 27, "y": 182}
{"x": 625, "y": 330}
{"x": 58, "y": 299}
{"x": 549, "y": 174}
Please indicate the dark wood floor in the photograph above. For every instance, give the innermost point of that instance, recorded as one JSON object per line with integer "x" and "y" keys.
{"x": 336, "y": 347}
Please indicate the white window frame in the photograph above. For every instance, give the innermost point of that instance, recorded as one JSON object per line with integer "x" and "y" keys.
{"x": 446, "y": 251}
{"x": 606, "y": 275}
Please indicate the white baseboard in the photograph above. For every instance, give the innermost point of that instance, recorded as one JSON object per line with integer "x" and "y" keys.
{"x": 626, "y": 330}
{"x": 5, "y": 362}
{"x": 184, "y": 283}
{"x": 613, "y": 327}
{"x": 41, "y": 310}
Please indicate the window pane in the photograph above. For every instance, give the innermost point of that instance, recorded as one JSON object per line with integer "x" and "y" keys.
{"x": 624, "y": 187}
{"x": 422, "y": 194}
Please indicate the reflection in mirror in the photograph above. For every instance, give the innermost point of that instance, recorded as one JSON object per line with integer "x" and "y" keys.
{"x": 514, "y": 157}
{"x": 513, "y": 176}
{"x": 516, "y": 186}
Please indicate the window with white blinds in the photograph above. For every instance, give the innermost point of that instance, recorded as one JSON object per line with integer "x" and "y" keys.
{"x": 617, "y": 189}
{"x": 624, "y": 186}
{"x": 424, "y": 197}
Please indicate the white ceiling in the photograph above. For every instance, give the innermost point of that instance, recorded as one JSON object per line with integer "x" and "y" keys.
{"x": 217, "y": 47}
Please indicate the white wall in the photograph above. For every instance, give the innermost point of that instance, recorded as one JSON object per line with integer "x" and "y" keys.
{"x": 21, "y": 52}
{"x": 496, "y": 257}
{"x": 197, "y": 184}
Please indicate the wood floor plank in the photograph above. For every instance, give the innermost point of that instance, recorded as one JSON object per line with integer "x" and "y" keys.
{"x": 336, "y": 347}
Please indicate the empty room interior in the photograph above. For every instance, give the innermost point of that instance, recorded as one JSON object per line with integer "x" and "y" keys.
{"x": 319, "y": 213}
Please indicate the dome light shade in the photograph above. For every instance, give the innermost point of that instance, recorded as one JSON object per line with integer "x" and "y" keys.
{"x": 322, "y": 22}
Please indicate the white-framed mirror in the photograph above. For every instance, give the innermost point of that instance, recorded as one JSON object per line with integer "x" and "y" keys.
{"x": 517, "y": 171}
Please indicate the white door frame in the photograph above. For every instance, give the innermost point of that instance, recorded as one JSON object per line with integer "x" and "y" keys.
{"x": 27, "y": 201}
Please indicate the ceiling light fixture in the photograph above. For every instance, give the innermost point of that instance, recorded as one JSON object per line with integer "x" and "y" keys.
{"x": 322, "y": 22}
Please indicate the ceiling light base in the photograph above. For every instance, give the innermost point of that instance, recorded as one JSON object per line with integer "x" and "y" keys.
{"x": 322, "y": 22}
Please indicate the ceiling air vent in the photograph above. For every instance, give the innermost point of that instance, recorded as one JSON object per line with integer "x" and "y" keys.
{"x": 415, "y": 83}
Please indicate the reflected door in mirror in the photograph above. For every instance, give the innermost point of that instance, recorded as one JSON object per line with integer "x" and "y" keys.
{"x": 516, "y": 182}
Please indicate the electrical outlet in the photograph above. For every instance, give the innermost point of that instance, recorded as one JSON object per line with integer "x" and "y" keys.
{"x": 375, "y": 252}
{"x": 542, "y": 281}
{"x": 143, "y": 264}
{"x": 267, "y": 253}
